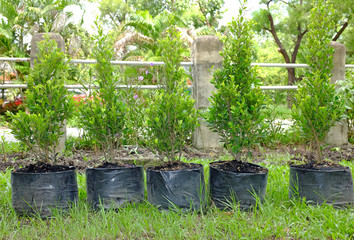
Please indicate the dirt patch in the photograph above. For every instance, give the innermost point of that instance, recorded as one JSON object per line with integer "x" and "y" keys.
{"x": 81, "y": 159}
{"x": 238, "y": 167}
{"x": 301, "y": 154}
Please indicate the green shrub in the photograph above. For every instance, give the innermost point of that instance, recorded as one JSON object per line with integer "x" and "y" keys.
{"x": 46, "y": 101}
{"x": 103, "y": 113}
{"x": 171, "y": 116}
{"x": 235, "y": 110}
{"x": 317, "y": 107}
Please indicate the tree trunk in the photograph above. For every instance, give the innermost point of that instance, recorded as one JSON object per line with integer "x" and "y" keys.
{"x": 291, "y": 82}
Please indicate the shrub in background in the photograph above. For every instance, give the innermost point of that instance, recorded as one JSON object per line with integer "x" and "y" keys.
{"x": 47, "y": 103}
{"x": 346, "y": 90}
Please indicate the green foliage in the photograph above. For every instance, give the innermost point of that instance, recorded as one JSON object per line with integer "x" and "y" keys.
{"x": 270, "y": 76}
{"x": 155, "y": 7}
{"x": 287, "y": 26}
{"x": 346, "y": 90}
{"x": 116, "y": 11}
{"x": 317, "y": 107}
{"x": 10, "y": 147}
{"x": 211, "y": 12}
{"x": 103, "y": 115}
{"x": 235, "y": 110}
{"x": 24, "y": 18}
{"x": 287, "y": 22}
{"x": 46, "y": 101}
{"x": 143, "y": 32}
{"x": 280, "y": 130}
{"x": 141, "y": 23}
{"x": 82, "y": 142}
{"x": 171, "y": 116}
{"x": 267, "y": 53}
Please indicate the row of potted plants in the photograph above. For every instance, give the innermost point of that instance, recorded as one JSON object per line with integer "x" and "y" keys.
{"x": 235, "y": 114}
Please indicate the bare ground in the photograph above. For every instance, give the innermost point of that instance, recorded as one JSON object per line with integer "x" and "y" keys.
{"x": 81, "y": 159}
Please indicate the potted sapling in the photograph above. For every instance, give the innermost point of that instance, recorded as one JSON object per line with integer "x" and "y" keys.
{"x": 40, "y": 187}
{"x": 103, "y": 117}
{"x": 317, "y": 108}
{"x": 235, "y": 114}
{"x": 170, "y": 119}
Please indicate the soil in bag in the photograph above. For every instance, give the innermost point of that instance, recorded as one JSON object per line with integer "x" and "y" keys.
{"x": 41, "y": 167}
{"x": 238, "y": 167}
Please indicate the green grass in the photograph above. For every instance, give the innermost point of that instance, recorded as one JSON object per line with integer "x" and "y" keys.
{"x": 279, "y": 111}
{"x": 277, "y": 217}
{"x": 10, "y": 147}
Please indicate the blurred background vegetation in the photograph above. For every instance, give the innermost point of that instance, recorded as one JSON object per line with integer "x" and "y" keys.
{"x": 136, "y": 25}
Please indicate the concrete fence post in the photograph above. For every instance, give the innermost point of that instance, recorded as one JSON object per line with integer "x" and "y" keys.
{"x": 338, "y": 134}
{"x": 205, "y": 55}
{"x": 34, "y": 51}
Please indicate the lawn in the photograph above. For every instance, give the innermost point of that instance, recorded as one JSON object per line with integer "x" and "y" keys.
{"x": 276, "y": 218}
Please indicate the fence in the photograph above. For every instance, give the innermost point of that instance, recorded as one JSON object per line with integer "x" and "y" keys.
{"x": 139, "y": 63}
{"x": 205, "y": 55}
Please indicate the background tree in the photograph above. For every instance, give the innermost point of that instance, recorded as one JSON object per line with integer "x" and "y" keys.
{"x": 211, "y": 12}
{"x": 139, "y": 24}
{"x": 139, "y": 41}
{"x": 24, "y": 18}
{"x": 155, "y": 7}
{"x": 115, "y": 13}
{"x": 289, "y": 30}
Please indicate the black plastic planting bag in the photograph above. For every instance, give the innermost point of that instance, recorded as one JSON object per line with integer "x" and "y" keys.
{"x": 41, "y": 193}
{"x": 184, "y": 189}
{"x": 227, "y": 188}
{"x": 331, "y": 186}
{"x": 113, "y": 187}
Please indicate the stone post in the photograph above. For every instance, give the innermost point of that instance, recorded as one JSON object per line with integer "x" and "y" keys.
{"x": 40, "y": 37}
{"x": 338, "y": 134}
{"x": 205, "y": 55}
{"x": 34, "y": 51}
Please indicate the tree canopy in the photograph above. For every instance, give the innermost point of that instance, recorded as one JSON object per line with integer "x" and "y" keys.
{"x": 287, "y": 23}
{"x": 138, "y": 24}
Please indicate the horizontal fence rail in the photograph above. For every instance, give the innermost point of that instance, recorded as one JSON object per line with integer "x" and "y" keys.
{"x": 24, "y": 86}
{"x": 141, "y": 63}
{"x": 88, "y": 61}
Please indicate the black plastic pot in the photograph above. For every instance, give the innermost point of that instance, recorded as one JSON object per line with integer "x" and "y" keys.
{"x": 227, "y": 188}
{"x": 114, "y": 187}
{"x": 330, "y": 186}
{"x": 41, "y": 193}
{"x": 184, "y": 189}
